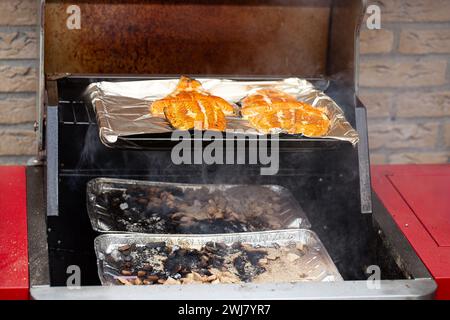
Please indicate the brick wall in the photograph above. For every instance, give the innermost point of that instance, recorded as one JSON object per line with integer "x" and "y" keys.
{"x": 405, "y": 81}
{"x": 18, "y": 58}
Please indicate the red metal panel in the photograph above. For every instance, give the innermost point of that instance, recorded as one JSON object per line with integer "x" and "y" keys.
{"x": 417, "y": 196}
{"x": 427, "y": 196}
{"x": 13, "y": 234}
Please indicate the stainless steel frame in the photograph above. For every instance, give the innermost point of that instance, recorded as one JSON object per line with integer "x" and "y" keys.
{"x": 398, "y": 289}
{"x": 421, "y": 286}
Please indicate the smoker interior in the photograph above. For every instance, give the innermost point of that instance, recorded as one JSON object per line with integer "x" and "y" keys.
{"x": 322, "y": 176}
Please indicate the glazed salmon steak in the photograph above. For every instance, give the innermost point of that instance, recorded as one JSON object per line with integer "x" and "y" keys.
{"x": 271, "y": 111}
{"x": 190, "y": 106}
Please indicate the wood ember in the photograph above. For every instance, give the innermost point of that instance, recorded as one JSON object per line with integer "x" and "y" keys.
{"x": 175, "y": 210}
{"x": 212, "y": 263}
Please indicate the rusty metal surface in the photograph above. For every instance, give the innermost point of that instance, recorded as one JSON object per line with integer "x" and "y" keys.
{"x": 251, "y": 37}
{"x": 343, "y": 59}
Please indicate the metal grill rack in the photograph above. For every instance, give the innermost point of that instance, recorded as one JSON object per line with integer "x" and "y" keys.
{"x": 74, "y": 111}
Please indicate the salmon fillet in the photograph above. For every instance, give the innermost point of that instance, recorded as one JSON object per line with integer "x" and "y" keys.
{"x": 189, "y": 106}
{"x": 271, "y": 110}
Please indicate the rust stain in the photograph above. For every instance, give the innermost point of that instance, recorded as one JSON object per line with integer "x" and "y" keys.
{"x": 191, "y": 37}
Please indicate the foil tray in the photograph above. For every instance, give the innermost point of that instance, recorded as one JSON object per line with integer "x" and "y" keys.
{"x": 102, "y": 208}
{"x": 316, "y": 264}
{"x": 124, "y": 120}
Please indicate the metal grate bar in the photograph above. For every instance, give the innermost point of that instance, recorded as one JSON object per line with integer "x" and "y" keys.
{"x": 75, "y": 113}
{"x": 88, "y": 113}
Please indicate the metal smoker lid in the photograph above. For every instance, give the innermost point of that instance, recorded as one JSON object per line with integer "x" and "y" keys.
{"x": 306, "y": 38}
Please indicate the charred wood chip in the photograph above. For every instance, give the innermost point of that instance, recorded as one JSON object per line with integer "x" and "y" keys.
{"x": 236, "y": 245}
{"x": 124, "y": 281}
{"x": 153, "y": 278}
{"x": 141, "y": 273}
{"x": 203, "y": 262}
{"x": 210, "y": 247}
{"x": 184, "y": 262}
{"x": 221, "y": 245}
{"x": 248, "y": 264}
{"x": 239, "y": 263}
{"x": 147, "y": 267}
{"x": 126, "y": 272}
{"x": 255, "y": 256}
{"x": 205, "y": 272}
{"x": 211, "y": 278}
{"x": 125, "y": 247}
{"x": 140, "y": 249}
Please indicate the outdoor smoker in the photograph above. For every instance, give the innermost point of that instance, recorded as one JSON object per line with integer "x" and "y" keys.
{"x": 253, "y": 39}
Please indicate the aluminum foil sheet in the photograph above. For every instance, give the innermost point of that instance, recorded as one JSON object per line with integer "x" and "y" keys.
{"x": 122, "y": 108}
{"x": 314, "y": 264}
{"x": 120, "y": 205}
